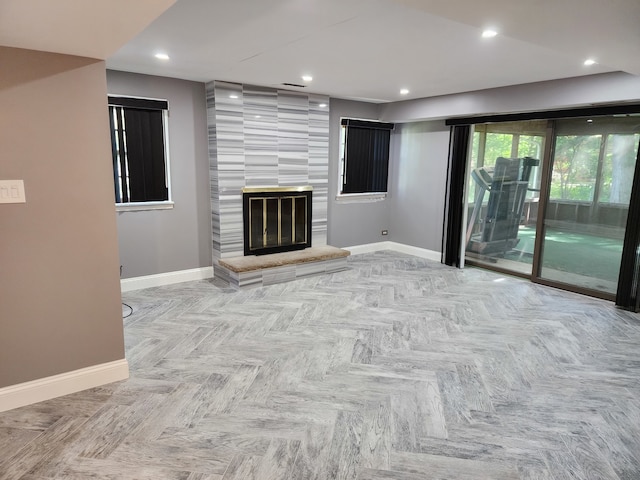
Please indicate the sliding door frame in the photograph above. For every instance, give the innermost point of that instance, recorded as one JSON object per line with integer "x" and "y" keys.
{"x": 545, "y": 187}
{"x": 628, "y": 295}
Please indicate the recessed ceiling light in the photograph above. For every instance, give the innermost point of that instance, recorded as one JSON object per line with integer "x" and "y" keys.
{"x": 307, "y": 78}
{"x": 489, "y": 33}
{"x": 323, "y": 105}
{"x": 257, "y": 116}
{"x": 589, "y": 120}
{"x": 161, "y": 56}
{"x": 404, "y": 91}
{"x": 233, "y": 95}
{"x": 589, "y": 61}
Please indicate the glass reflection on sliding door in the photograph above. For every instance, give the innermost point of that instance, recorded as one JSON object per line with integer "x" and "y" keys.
{"x": 586, "y": 210}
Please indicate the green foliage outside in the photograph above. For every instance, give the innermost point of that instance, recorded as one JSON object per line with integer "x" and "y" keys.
{"x": 497, "y": 145}
{"x": 575, "y": 167}
{"x": 618, "y": 168}
{"x": 575, "y": 163}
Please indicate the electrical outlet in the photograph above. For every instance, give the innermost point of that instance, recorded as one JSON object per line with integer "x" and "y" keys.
{"x": 385, "y": 232}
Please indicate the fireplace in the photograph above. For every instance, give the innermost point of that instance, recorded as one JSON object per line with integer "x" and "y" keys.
{"x": 276, "y": 219}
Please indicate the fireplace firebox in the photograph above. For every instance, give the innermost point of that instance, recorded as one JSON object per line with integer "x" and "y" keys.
{"x": 276, "y": 219}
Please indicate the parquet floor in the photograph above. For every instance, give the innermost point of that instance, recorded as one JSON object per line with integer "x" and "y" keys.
{"x": 395, "y": 369}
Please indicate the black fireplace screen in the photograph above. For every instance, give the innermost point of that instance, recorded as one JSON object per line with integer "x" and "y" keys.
{"x": 276, "y": 219}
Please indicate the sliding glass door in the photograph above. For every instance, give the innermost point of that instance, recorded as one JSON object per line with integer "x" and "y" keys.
{"x": 549, "y": 199}
{"x": 592, "y": 168}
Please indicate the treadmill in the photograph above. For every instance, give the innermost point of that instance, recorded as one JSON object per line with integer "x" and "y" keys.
{"x": 507, "y": 183}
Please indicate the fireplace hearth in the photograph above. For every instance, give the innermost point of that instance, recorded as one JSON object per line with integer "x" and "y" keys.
{"x": 276, "y": 219}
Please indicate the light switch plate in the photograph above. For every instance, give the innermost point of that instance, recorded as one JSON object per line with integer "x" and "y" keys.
{"x": 12, "y": 191}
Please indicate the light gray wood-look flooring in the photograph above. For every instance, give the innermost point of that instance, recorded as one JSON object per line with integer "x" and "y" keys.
{"x": 395, "y": 369}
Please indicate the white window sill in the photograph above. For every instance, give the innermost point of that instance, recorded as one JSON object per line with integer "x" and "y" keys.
{"x": 140, "y": 206}
{"x": 360, "y": 197}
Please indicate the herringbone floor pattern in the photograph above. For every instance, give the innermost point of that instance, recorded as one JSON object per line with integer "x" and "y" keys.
{"x": 398, "y": 368}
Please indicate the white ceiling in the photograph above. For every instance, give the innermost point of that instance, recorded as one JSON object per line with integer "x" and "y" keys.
{"x": 360, "y": 49}
{"x": 87, "y": 28}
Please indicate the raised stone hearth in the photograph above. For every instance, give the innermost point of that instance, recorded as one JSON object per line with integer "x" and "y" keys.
{"x": 281, "y": 267}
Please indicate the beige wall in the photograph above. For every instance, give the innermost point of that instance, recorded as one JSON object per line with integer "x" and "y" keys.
{"x": 59, "y": 272}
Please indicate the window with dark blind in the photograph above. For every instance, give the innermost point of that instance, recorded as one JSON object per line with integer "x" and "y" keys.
{"x": 138, "y": 144}
{"x": 365, "y": 155}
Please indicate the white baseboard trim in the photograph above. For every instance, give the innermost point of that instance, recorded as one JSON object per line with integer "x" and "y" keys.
{"x": 169, "y": 278}
{"x": 368, "y": 248}
{"x": 416, "y": 251}
{"x": 396, "y": 247}
{"x": 46, "y": 388}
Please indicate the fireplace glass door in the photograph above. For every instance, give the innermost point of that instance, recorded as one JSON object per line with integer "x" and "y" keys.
{"x": 277, "y": 222}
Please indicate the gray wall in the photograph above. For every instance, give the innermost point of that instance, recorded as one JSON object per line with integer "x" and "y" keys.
{"x": 59, "y": 290}
{"x": 413, "y": 209}
{"x": 417, "y": 179}
{"x": 159, "y": 241}
{"x": 359, "y": 222}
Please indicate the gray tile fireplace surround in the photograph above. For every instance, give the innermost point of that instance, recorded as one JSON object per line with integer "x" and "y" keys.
{"x": 259, "y": 137}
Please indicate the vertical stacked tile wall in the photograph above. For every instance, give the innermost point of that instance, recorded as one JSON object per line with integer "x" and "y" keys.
{"x": 261, "y": 136}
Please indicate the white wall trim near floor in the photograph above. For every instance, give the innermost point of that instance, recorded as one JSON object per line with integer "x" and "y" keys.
{"x": 160, "y": 279}
{"x": 46, "y": 388}
{"x": 396, "y": 247}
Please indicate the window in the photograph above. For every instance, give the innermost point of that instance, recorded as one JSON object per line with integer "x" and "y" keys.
{"x": 575, "y": 167}
{"x": 138, "y": 142}
{"x": 508, "y": 140}
{"x": 365, "y": 156}
{"x": 618, "y": 168}
{"x": 594, "y": 160}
